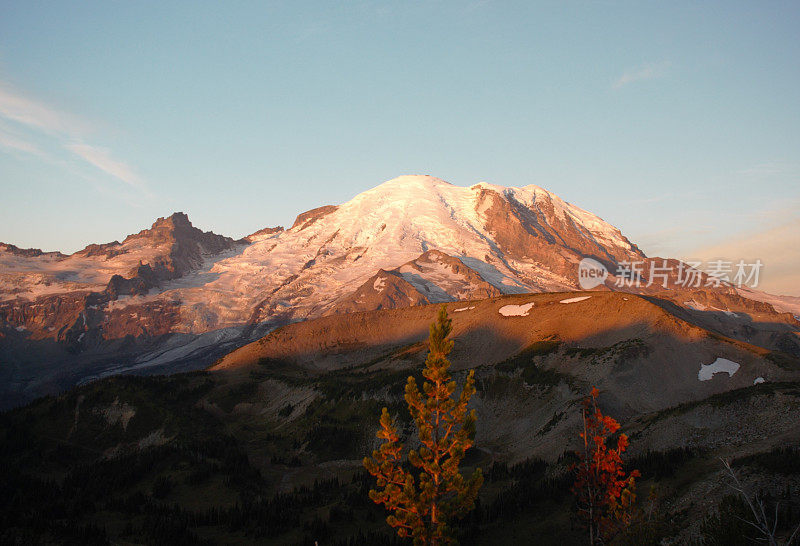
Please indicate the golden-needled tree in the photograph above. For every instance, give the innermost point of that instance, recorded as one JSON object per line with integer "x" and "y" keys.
{"x": 425, "y": 498}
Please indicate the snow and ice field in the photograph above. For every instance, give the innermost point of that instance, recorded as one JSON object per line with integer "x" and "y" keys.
{"x": 516, "y": 310}
{"x": 575, "y": 300}
{"x": 720, "y": 365}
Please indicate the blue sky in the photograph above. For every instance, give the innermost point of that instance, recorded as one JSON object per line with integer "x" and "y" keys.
{"x": 677, "y": 122}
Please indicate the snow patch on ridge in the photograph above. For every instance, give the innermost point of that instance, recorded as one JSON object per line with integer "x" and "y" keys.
{"x": 575, "y": 300}
{"x": 694, "y": 305}
{"x": 720, "y": 365}
{"x": 465, "y": 309}
{"x": 516, "y": 310}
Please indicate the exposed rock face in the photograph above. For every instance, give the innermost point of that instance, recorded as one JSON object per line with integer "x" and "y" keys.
{"x": 152, "y": 318}
{"x": 107, "y": 250}
{"x": 262, "y": 233}
{"x": 57, "y": 317}
{"x": 507, "y": 240}
{"x": 143, "y": 279}
{"x": 539, "y": 225}
{"x": 187, "y": 245}
{"x": 28, "y": 252}
{"x": 307, "y": 218}
{"x": 735, "y": 316}
{"x": 441, "y": 277}
{"x": 434, "y": 277}
{"x": 386, "y": 290}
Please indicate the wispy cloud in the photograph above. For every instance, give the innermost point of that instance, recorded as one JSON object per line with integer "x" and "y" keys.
{"x": 647, "y": 71}
{"x": 101, "y": 158}
{"x": 70, "y": 132}
{"x": 17, "y": 144}
{"x": 16, "y": 107}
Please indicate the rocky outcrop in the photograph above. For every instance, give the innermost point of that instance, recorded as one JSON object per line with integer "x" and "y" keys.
{"x": 51, "y": 317}
{"x": 441, "y": 277}
{"x": 186, "y": 245}
{"x": 433, "y": 277}
{"x": 29, "y": 252}
{"x": 262, "y": 233}
{"x": 107, "y": 250}
{"x": 544, "y": 232}
{"x": 307, "y": 218}
{"x": 143, "y": 279}
{"x": 386, "y": 290}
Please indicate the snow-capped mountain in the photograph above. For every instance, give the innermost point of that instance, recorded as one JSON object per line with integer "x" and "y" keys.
{"x": 174, "y": 296}
{"x": 514, "y": 239}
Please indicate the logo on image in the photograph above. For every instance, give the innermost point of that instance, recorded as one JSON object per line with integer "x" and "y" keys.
{"x": 591, "y": 273}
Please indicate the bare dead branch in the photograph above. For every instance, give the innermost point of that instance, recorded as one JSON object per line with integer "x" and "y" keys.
{"x": 756, "y": 506}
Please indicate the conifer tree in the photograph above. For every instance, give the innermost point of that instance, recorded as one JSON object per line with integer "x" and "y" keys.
{"x": 604, "y": 492}
{"x": 425, "y": 498}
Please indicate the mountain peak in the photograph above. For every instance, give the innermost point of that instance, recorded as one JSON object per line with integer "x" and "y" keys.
{"x": 408, "y": 185}
{"x": 414, "y": 179}
{"x": 175, "y": 220}
{"x": 180, "y": 245}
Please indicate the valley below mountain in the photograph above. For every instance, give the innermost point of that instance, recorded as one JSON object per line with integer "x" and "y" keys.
{"x": 266, "y": 445}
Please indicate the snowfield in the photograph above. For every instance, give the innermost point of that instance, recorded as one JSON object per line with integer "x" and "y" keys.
{"x": 52, "y": 272}
{"x": 720, "y": 365}
{"x": 695, "y": 306}
{"x": 516, "y": 310}
{"x": 575, "y": 300}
